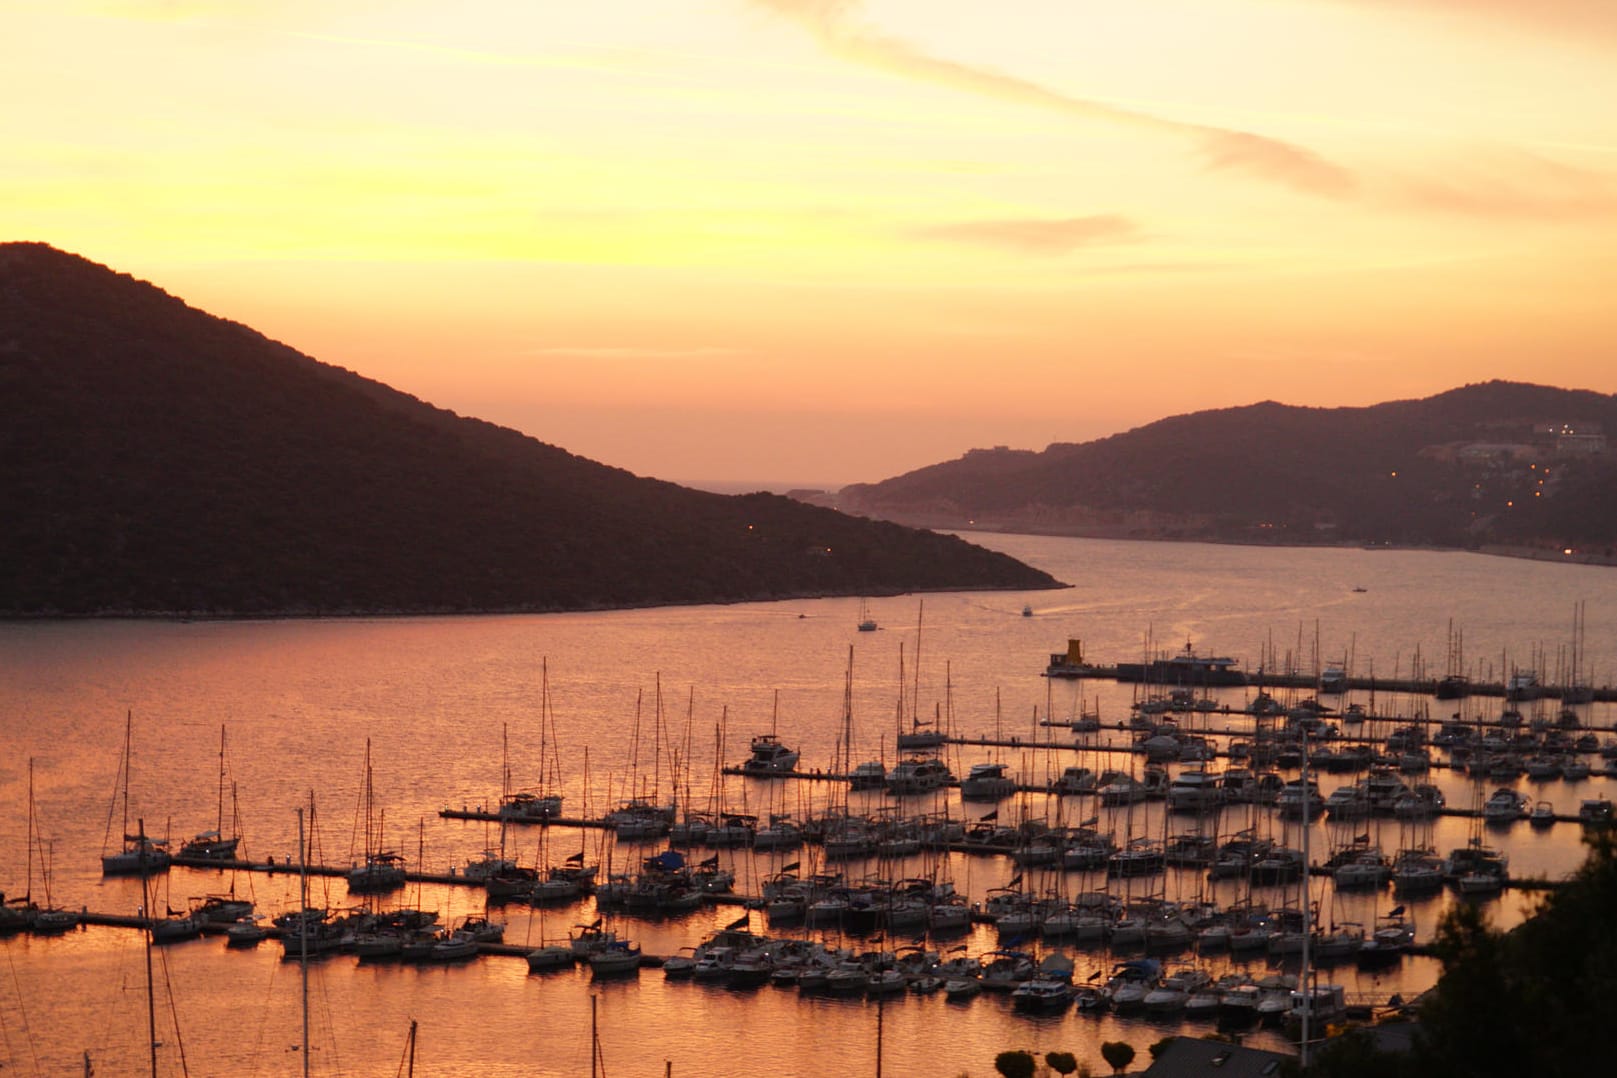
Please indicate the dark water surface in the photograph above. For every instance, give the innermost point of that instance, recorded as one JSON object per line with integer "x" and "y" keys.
{"x": 435, "y": 698}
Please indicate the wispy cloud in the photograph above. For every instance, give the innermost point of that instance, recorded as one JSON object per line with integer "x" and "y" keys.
{"x": 1514, "y": 184}
{"x": 1281, "y": 162}
{"x": 243, "y": 11}
{"x": 630, "y": 352}
{"x": 1033, "y": 235}
{"x": 1585, "y": 20}
{"x": 831, "y": 22}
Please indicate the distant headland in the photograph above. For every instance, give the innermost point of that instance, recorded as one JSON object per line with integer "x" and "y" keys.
{"x": 1499, "y": 467}
{"x": 158, "y": 460}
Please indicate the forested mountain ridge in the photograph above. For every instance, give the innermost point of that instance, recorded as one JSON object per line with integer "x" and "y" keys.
{"x": 155, "y": 459}
{"x": 1497, "y": 462}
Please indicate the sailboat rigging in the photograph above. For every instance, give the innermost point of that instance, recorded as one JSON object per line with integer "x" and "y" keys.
{"x": 139, "y": 854}
{"x": 215, "y": 845}
{"x": 867, "y": 624}
{"x": 383, "y": 870}
{"x": 152, "y": 925}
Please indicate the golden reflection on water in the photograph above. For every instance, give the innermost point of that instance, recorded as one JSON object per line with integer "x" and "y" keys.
{"x": 438, "y": 698}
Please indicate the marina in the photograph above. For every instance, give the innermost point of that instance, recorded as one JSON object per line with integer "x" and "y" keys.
{"x": 1033, "y": 864}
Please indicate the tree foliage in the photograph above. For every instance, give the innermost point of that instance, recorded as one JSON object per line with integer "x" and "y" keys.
{"x": 1061, "y": 1062}
{"x": 1015, "y": 1064}
{"x": 1536, "y": 1000}
{"x": 1388, "y": 472}
{"x": 1118, "y": 1055}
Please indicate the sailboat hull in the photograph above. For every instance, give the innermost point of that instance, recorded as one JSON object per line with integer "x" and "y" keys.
{"x": 136, "y": 860}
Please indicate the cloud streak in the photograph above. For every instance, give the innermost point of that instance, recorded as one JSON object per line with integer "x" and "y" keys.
{"x": 1034, "y": 236}
{"x": 631, "y": 353}
{"x": 1580, "y": 20}
{"x": 1221, "y": 148}
{"x": 1511, "y": 184}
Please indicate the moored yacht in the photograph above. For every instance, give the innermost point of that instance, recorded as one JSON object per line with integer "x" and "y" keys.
{"x": 917, "y": 774}
{"x": 1299, "y": 800}
{"x": 986, "y": 782}
{"x": 526, "y": 805}
{"x": 1196, "y": 790}
{"x": 770, "y": 757}
{"x": 1504, "y": 806}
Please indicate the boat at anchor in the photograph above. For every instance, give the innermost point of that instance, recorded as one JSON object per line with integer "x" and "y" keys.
{"x": 770, "y": 757}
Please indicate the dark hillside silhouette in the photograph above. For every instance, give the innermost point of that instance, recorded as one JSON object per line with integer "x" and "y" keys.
{"x": 156, "y": 459}
{"x": 1494, "y": 463}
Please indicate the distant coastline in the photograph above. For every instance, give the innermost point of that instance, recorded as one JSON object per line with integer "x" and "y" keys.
{"x": 358, "y": 614}
{"x": 753, "y": 486}
{"x": 828, "y": 498}
{"x": 1577, "y": 557}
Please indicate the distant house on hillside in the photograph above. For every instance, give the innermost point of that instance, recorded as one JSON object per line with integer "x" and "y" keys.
{"x": 1571, "y": 439}
{"x": 1482, "y": 454}
{"x": 1488, "y": 452}
{"x": 1580, "y": 444}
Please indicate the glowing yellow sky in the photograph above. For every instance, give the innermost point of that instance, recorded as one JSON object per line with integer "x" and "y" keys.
{"x": 832, "y": 240}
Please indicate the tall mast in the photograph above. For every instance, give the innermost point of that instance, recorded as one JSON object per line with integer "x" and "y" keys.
{"x": 915, "y": 696}
{"x": 544, "y": 722}
{"x": 847, "y": 717}
{"x": 657, "y": 744}
{"x": 28, "y": 892}
{"x": 129, "y": 724}
{"x": 900, "y": 717}
{"x": 221, "y": 779}
{"x": 151, "y": 928}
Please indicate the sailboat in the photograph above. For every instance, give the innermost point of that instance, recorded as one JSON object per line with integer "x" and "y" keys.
{"x": 140, "y": 854}
{"x": 17, "y": 914}
{"x": 545, "y": 802}
{"x": 867, "y": 624}
{"x": 383, "y": 870}
{"x": 24, "y": 913}
{"x": 493, "y": 862}
{"x": 50, "y": 918}
{"x": 920, "y": 735}
{"x": 215, "y": 845}
{"x": 174, "y": 926}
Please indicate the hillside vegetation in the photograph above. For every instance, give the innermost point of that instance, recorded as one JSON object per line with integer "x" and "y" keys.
{"x": 1492, "y": 463}
{"x": 156, "y": 459}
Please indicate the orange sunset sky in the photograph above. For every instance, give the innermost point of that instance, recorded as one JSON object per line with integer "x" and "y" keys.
{"x": 832, "y": 240}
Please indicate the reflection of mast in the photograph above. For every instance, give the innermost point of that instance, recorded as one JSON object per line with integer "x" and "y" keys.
{"x": 303, "y": 928}
{"x": 597, "y": 1061}
{"x": 880, "y": 999}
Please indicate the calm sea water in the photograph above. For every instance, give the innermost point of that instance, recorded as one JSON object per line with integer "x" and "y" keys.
{"x": 648, "y": 701}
